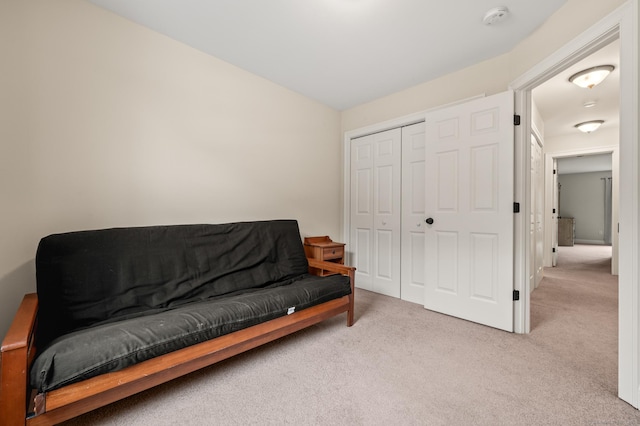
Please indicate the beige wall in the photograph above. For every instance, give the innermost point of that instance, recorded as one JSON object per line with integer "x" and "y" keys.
{"x": 537, "y": 122}
{"x": 104, "y": 123}
{"x": 578, "y": 141}
{"x": 583, "y": 198}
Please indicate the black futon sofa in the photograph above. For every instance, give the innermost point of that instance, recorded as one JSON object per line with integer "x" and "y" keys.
{"x": 121, "y": 310}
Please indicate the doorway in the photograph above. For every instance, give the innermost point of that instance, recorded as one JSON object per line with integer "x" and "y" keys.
{"x": 558, "y": 106}
{"x": 577, "y": 246}
{"x": 585, "y": 200}
{"x": 620, "y": 24}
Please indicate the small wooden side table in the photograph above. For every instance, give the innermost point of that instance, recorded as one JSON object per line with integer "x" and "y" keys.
{"x": 323, "y": 248}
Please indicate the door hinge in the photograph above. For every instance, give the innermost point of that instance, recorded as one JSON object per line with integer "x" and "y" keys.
{"x": 516, "y": 120}
{"x": 516, "y": 295}
{"x": 516, "y": 207}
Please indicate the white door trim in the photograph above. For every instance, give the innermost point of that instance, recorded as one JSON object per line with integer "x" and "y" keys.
{"x": 622, "y": 23}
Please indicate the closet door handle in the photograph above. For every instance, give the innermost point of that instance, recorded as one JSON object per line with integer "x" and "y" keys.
{"x": 429, "y": 221}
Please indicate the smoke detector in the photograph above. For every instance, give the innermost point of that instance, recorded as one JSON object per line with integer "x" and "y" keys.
{"x": 496, "y": 15}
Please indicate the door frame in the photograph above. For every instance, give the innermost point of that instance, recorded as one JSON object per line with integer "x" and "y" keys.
{"x": 621, "y": 23}
{"x": 615, "y": 171}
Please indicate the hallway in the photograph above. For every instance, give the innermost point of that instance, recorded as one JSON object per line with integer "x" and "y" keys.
{"x": 575, "y": 309}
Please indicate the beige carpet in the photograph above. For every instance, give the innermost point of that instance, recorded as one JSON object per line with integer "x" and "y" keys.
{"x": 403, "y": 365}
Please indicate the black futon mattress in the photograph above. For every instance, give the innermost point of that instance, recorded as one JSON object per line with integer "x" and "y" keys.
{"x": 111, "y": 298}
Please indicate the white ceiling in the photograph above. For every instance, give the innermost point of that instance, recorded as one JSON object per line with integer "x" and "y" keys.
{"x": 341, "y": 52}
{"x": 561, "y": 103}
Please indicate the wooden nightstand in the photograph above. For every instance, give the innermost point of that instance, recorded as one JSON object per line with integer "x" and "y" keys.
{"x": 322, "y": 248}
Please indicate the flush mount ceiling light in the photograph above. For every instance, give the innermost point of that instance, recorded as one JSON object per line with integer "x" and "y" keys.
{"x": 495, "y": 15}
{"x": 589, "y": 126}
{"x": 592, "y": 76}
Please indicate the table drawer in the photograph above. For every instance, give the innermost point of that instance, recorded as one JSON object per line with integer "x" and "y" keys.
{"x": 329, "y": 253}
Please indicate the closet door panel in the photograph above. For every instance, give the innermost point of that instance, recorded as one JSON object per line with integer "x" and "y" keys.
{"x": 413, "y": 215}
{"x": 375, "y": 211}
{"x": 386, "y": 220}
{"x": 361, "y": 217}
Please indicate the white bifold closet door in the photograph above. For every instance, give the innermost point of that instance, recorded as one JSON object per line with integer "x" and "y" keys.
{"x": 413, "y": 202}
{"x": 387, "y": 212}
{"x": 375, "y": 211}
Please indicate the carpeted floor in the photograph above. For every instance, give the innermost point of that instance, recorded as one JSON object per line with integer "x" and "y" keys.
{"x": 403, "y": 365}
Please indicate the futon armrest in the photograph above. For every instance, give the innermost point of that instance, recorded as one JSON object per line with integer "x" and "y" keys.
{"x": 316, "y": 265}
{"x": 330, "y": 266}
{"x": 15, "y": 357}
{"x": 23, "y": 326}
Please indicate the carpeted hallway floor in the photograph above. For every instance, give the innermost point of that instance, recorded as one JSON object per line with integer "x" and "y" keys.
{"x": 403, "y": 365}
{"x": 574, "y": 312}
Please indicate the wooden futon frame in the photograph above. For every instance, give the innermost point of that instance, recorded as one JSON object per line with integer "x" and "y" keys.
{"x": 19, "y": 405}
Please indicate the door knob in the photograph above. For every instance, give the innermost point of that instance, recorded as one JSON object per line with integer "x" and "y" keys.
{"x": 429, "y": 221}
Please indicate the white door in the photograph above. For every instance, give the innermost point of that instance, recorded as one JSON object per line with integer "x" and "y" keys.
{"x": 532, "y": 215}
{"x": 412, "y": 238}
{"x": 539, "y": 215}
{"x": 536, "y": 249}
{"x": 469, "y": 200}
{"x": 555, "y": 212}
{"x": 375, "y": 211}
